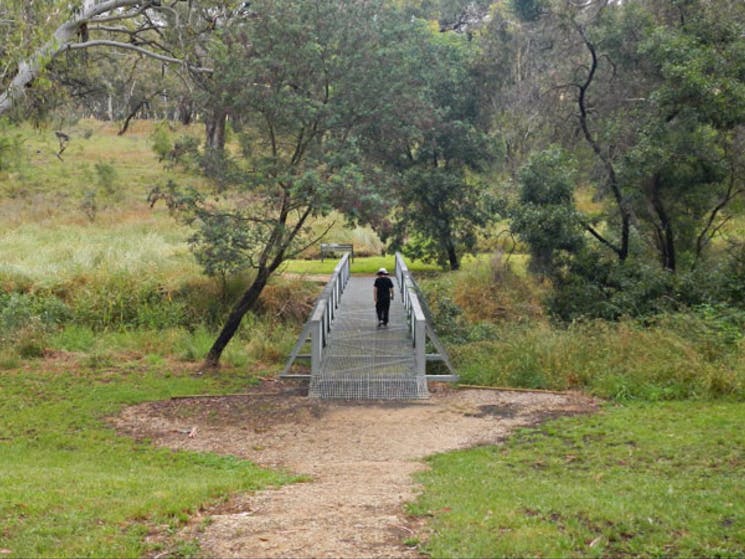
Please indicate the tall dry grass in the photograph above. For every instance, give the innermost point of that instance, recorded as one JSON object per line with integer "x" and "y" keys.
{"x": 499, "y": 336}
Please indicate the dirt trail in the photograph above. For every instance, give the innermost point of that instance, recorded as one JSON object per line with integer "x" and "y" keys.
{"x": 360, "y": 458}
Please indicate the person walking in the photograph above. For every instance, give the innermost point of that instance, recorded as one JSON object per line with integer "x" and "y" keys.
{"x": 383, "y": 295}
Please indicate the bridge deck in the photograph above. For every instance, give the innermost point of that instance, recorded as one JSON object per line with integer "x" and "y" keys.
{"x": 362, "y": 361}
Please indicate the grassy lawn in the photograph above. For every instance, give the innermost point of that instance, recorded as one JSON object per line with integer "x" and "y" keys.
{"x": 72, "y": 488}
{"x": 366, "y": 265}
{"x": 643, "y": 480}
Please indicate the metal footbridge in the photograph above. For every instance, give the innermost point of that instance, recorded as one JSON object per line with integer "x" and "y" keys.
{"x": 353, "y": 358}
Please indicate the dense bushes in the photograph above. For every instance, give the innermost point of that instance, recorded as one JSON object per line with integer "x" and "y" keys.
{"x": 74, "y": 315}
{"x": 590, "y": 285}
{"x": 692, "y": 352}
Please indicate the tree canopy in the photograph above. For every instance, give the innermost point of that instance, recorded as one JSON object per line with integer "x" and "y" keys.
{"x": 611, "y": 133}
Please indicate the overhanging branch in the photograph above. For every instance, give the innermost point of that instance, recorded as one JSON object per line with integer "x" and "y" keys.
{"x": 141, "y": 50}
{"x": 64, "y": 39}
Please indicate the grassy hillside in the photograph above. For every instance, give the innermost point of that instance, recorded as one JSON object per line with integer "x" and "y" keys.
{"x": 102, "y": 305}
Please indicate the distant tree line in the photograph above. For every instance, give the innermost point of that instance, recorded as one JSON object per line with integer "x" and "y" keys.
{"x": 609, "y": 134}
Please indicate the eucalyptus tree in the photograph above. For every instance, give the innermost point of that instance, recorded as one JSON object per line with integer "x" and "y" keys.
{"x": 302, "y": 81}
{"x": 435, "y": 144}
{"x": 50, "y": 29}
{"x": 661, "y": 102}
{"x": 650, "y": 96}
{"x": 175, "y": 33}
{"x": 685, "y": 168}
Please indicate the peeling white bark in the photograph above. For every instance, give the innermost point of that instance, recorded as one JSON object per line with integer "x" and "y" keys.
{"x": 65, "y": 37}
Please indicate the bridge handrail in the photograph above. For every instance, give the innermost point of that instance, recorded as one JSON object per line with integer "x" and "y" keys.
{"x": 324, "y": 312}
{"x": 327, "y": 248}
{"x": 414, "y": 312}
{"x": 421, "y": 322}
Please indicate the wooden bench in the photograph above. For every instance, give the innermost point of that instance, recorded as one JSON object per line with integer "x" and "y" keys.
{"x": 333, "y": 248}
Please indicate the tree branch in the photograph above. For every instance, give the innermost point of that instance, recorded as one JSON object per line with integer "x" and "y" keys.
{"x": 622, "y": 250}
{"x": 141, "y": 50}
{"x": 708, "y": 232}
{"x": 63, "y": 39}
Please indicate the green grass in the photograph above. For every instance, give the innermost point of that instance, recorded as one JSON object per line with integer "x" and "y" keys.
{"x": 91, "y": 143}
{"x": 643, "y": 480}
{"x": 48, "y": 256}
{"x": 73, "y": 488}
{"x": 621, "y": 361}
{"x": 361, "y": 265}
{"x": 497, "y": 335}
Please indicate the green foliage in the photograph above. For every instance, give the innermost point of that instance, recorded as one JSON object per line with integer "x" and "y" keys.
{"x": 56, "y": 440}
{"x": 544, "y": 216}
{"x": 637, "y": 480}
{"x": 126, "y": 301}
{"x": 733, "y": 275}
{"x": 11, "y": 152}
{"x": 592, "y": 285}
{"x": 527, "y": 10}
{"x": 678, "y": 168}
{"x": 106, "y": 192}
{"x": 26, "y": 320}
{"x": 16, "y": 309}
{"x": 497, "y": 336}
{"x": 89, "y": 204}
{"x": 162, "y": 144}
{"x": 298, "y": 156}
{"x": 106, "y": 177}
{"x": 222, "y": 244}
{"x": 435, "y": 149}
{"x": 620, "y": 361}
{"x": 651, "y": 84}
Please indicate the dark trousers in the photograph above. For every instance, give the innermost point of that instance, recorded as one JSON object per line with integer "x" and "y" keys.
{"x": 382, "y": 307}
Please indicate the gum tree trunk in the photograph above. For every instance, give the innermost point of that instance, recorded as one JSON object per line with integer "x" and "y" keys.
{"x": 246, "y": 303}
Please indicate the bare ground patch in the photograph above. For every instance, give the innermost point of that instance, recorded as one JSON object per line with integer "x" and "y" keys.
{"x": 360, "y": 459}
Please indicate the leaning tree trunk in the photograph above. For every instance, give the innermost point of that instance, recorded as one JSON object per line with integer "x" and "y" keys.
{"x": 246, "y": 303}
{"x": 64, "y": 36}
{"x": 251, "y": 296}
{"x": 215, "y": 129}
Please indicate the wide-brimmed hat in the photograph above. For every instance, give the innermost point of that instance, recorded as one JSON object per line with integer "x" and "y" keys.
{"x": 382, "y": 271}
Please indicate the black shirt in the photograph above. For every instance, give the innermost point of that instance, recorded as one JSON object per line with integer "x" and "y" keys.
{"x": 384, "y": 285}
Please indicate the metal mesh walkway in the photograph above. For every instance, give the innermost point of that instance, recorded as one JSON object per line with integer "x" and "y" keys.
{"x": 362, "y": 361}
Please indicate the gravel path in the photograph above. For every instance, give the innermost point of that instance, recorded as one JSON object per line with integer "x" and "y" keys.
{"x": 360, "y": 458}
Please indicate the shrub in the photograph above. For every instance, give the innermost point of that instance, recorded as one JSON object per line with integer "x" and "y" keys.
{"x": 679, "y": 357}
{"x": 288, "y": 300}
{"x": 11, "y": 148}
{"x": 471, "y": 304}
{"x": 29, "y": 342}
{"x": 18, "y": 310}
{"x": 123, "y": 301}
{"x": 162, "y": 144}
{"x": 690, "y": 354}
{"x": 106, "y": 177}
{"x": 74, "y": 338}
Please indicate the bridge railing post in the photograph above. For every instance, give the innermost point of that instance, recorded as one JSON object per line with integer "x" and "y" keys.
{"x": 317, "y": 336}
{"x": 420, "y": 323}
{"x": 419, "y": 326}
{"x": 319, "y": 325}
{"x": 325, "y": 311}
{"x": 414, "y": 312}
